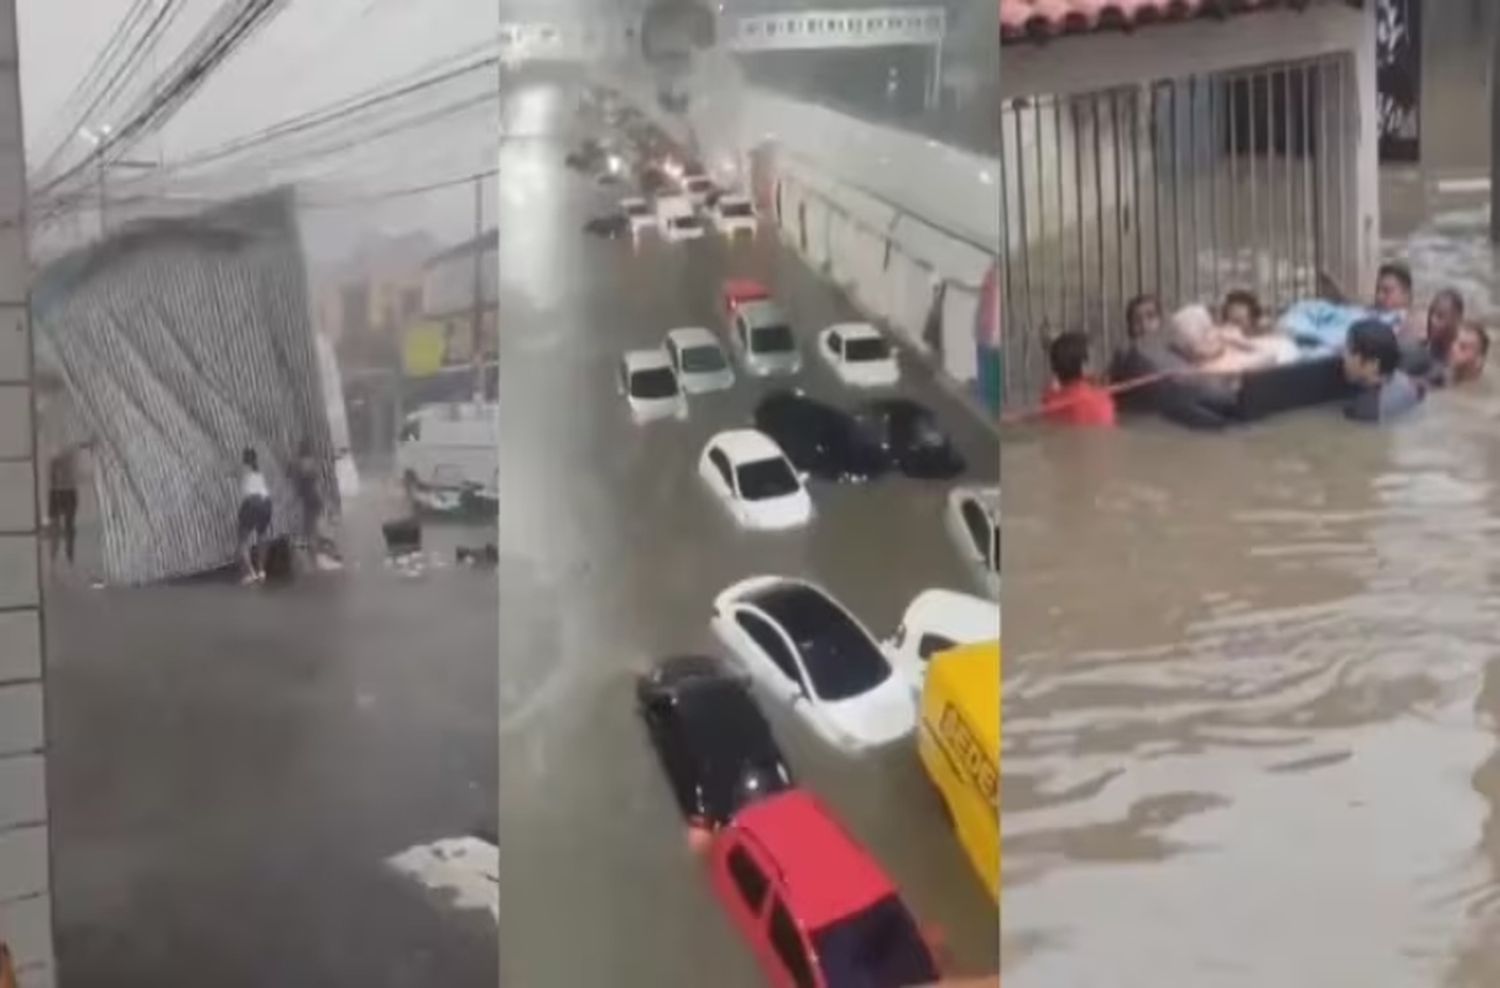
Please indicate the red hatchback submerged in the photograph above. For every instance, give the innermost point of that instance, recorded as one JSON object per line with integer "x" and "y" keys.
{"x": 815, "y": 905}
{"x": 737, "y": 291}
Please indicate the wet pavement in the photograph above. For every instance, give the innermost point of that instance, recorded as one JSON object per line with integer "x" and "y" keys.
{"x": 1252, "y": 693}
{"x": 611, "y": 553}
{"x": 230, "y": 768}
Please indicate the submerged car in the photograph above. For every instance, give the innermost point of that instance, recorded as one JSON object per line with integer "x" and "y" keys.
{"x": 733, "y": 214}
{"x": 715, "y": 746}
{"x": 611, "y": 227}
{"x": 815, "y": 905}
{"x": 699, "y": 360}
{"x": 820, "y": 439}
{"x": 935, "y": 621}
{"x": 808, "y": 651}
{"x": 973, "y": 520}
{"x": 638, "y": 214}
{"x": 764, "y": 338}
{"x": 753, "y": 479}
{"x": 911, "y": 438}
{"x": 735, "y": 292}
{"x": 646, "y": 379}
{"x": 859, "y": 355}
{"x": 675, "y": 229}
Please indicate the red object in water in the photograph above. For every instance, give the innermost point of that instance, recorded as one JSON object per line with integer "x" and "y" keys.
{"x": 815, "y": 905}
{"x": 738, "y": 291}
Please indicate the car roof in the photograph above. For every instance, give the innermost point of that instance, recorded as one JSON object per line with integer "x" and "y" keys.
{"x": 686, "y": 336}
{"x": 733, "y": 197}
{"x": 855, "y": 330}
{"x": 825, "y": 873}
{"x": 646, "y": 359}
{"x": 633, "y": 201}
{"x": 762, "y": 312}
{"x": 799, "y": 607}
{"x": 746, "y": 444}
{"x": 974, "y": 618}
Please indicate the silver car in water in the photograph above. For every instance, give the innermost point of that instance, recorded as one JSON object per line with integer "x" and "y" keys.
{"x": 765, "y": 341}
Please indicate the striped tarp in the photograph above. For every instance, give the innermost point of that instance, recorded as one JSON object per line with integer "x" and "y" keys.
{"x": 180, "y": 343}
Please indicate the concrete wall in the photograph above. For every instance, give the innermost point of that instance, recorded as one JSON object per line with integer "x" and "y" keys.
{"x": 1095, "y": 62}
{"x": 25, "y": 900}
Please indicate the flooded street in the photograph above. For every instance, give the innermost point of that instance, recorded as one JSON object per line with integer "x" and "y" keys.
{"x": 1253, "y": 693}
{"x": 610, "y": 556}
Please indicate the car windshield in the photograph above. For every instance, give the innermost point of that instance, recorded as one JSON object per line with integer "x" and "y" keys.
{"x": 637, "y": 209}
{"x": 880, "y": 945}
{"x": 699, "y": 184}
{"x": 684, "y": 223}
{"x": 702, "y": 359}
{"x": 655, "y": 382}
{"x": 735, "y": 209}
{"x": 868, "y": 348}
{"x": 772, "y": 339}
{"x": 841, "y": 660}
{"x": 762, "y": 479}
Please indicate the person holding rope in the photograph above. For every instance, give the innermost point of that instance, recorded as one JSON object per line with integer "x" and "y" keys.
{"x": 1073, "y": 399}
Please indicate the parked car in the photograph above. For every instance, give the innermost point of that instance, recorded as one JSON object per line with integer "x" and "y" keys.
{"x": 973, "y": 520}
{"x": 676, "y": 229}
{"x": 820, "y": 439}
{"x": 447, "y": 455}
{"x": 699, "y": 360}
{"x": 669, "y": 205}
{"x": 611, "y": 227}
{"x": 912, "y": 439}
{"x": 649, "y": 385}
{"x": 639, "y": 214}
{"x": 935, "y": 621}
{"x": 698, "y": 188}
{"x": 753, "y": 479}
{"x": 733, "y": 214}
{"x": 815, "y": 905}
{"x": 813, "y": 655}
{"x": 715, "y": 746}
{"x": 959, "y": 745}
{"x": 859, "y": 355}
{"x": 765, "y": 341}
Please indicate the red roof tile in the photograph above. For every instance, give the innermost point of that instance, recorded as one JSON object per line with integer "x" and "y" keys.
{"x": 1041, "y": 19}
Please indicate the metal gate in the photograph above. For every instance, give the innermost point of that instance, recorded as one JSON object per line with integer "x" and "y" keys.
{"x": 1183, "y": 188}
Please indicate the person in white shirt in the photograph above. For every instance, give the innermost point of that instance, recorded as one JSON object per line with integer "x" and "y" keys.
{"x": 254, "y": 517}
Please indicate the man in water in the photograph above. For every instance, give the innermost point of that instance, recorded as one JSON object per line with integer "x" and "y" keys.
{"x": 1372, "y": 363}
{"x": 1468, "y": 354}
{"x": 1393, "y": 296}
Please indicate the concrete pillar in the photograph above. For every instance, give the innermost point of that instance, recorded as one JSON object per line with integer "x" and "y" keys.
{"x": 1366, "y": 147}
{"x": 25, "y": 889}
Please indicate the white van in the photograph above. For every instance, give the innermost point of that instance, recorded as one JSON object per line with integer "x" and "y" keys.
{"x": 935, "y": 621}
{"x": 449, "y": 453}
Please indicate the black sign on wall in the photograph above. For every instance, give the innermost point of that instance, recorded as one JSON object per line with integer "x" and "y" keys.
{"x": 1398, "y": 55}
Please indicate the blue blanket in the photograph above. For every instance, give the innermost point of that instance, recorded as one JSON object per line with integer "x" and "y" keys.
{"x": 1320, "y": 327}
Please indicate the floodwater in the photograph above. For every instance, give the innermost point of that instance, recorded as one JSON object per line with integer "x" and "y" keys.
{"x": 1252, "y": 720}
{"x": 611, "y": 554}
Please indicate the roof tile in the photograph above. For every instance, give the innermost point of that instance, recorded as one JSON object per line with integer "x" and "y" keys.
{"x": 1039, "y": 20}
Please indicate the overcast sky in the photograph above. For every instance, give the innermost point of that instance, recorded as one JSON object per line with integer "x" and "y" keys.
{"x": 314, "y": 53}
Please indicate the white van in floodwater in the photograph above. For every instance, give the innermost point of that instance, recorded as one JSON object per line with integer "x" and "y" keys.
{"x": 449, "y": 457}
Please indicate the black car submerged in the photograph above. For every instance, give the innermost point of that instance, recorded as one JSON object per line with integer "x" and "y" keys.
{"x": 820, "y": 439}
{"x": 910, "y": 435}
{"x": 715, "y": 745}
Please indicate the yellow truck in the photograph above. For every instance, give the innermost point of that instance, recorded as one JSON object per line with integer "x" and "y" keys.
{"x": 959, "y": 744}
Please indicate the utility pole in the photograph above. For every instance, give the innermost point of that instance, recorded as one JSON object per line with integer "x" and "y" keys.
{"x": 1495, "y": 126}
{"x": 477, "y": 345}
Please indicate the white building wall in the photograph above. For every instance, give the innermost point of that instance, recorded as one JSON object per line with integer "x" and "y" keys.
{"x": 1089, "y": 63}
{"x": 25, "y": 900}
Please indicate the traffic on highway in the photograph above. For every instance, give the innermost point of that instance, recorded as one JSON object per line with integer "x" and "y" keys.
{"x": 776, "y": 518}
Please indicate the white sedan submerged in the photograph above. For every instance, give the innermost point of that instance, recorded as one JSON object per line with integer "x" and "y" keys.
{"x": 699, "y": 360}
{"x": 755, "y": 481}
{"x": 646, "y": 379}
{"x": 859, "y": 355}
{"x": 807, "y": 650}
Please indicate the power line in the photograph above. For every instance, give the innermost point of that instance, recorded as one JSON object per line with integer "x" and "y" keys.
{"x": 402, "y": 193}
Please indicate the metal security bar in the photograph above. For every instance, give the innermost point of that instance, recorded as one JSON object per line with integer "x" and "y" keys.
{"x": 1182, "y": 188}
